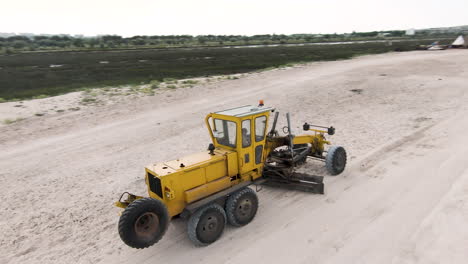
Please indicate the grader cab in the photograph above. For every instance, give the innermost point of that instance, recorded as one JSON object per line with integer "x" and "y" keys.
{"x": 210, "y": 188}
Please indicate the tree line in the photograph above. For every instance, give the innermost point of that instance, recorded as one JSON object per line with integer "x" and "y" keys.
{"x": 21, "y": 43}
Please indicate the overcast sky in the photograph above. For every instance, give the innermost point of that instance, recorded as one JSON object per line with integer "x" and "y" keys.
{"x": 225, "y": 17}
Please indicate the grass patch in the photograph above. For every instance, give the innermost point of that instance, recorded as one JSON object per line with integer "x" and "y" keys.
{"x": 169, "y": 80}
{"x": 193, "y": 82}
{"x": 2, "y": 100}
{"x": 287, "y": 65}
{"x": 41, "y": 96}
{"x": 11, "y": 121}
{"x": 154, "y": 84}
{"x": 147, "y": 91}
{"x": 171, "y": 86}
{"x": 88, "y": 100}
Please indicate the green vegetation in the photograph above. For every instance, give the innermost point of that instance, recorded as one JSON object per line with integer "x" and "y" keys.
{"x": 154, "y": 84}
{"x": 2, "y": 100}
{"x": 88, "y": 100}
{"x": 170, "y": 80}
{"x": 190, "y": 82}
{"x": 28, "y": 75}
{"x": 147, "y": 91}
{"x": 41, "y": 96}
{"x": 11, "y": 121}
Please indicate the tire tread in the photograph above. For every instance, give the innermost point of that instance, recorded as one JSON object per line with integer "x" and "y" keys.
{"x": 231, "y": 204}
{"x": 195, "y": 219}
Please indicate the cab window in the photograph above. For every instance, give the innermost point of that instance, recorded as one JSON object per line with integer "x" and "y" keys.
{"x": 246, "y": 139}
{"x": 260, "y": 125}
{"x": 225, "y": 132}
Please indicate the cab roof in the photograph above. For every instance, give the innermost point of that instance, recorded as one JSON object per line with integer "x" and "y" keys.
{"x": 244, "y": 111}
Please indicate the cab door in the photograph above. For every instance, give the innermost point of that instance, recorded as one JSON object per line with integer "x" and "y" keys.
{"x": 246, "y": 155}
{"x": 259, "y": 133}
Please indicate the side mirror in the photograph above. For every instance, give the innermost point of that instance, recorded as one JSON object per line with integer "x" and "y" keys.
{"x": 211, "y": 148}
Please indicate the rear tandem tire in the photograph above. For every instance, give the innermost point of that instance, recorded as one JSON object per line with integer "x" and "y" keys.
{"x": 206, "y": 225}
{"x": 143, "y": 223}
{"x": 335, "y": 161}
{"x": 241, "y": 207}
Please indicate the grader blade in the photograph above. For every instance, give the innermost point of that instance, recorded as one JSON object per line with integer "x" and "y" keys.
{"x": 300, "y": 182}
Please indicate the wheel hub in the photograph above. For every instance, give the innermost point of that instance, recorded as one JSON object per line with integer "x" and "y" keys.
{"x": 211, "y": 224}
{"x": 146, "y": 225}
{"x": 244, "y": 209}
{"x": 340, "y": 160}
{"x": 210, "y": 227}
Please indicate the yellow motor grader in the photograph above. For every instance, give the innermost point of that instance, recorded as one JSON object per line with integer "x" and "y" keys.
{"x": 210, "y": 188}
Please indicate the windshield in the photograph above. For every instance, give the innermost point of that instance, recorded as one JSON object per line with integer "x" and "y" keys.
{"x": 225, "y": 132}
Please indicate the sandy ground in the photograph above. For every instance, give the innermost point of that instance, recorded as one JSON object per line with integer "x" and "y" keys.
{"x": 402, "y": 117}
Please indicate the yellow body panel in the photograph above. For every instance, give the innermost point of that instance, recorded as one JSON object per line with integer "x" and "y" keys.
{"x": 216, "y": 170}
{"x": 207, "y": 189}
{"x": 232, "y": 164}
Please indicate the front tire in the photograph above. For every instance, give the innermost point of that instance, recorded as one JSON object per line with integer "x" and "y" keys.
{"x": 241, "y": 207}
{"x": 335, "y": 161}
{"x": 206, "y": 225}
{"x": 143, "y": 223}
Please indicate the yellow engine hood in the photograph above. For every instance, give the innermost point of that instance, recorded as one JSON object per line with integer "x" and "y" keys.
{"x": 187, "y": 163}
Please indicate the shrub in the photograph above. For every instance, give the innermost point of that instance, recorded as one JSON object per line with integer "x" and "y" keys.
{"x": 42, "y": 96}
{"x": 169, "y": 80}
{"x": 11, "y": 121}
{"x": 190, "y": 82}
{"x": 88, "y": 100}
{"x": 154, "y": 84}
{"x": 147, "y": 91}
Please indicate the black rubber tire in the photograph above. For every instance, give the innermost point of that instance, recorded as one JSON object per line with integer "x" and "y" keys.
{"x": 196, "y": 225}
{"x": 236, "y": 216}
{"x": 135, "y": 211}
{"x": 335, "y": 161}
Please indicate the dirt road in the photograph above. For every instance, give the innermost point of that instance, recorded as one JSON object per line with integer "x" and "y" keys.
{"x": 402, "y": 117}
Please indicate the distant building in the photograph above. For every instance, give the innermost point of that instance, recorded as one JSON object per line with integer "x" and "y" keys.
{"x": 410, "y": 32}
{"x": 460, "y": 42}
{"x": 384, "y": 34}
